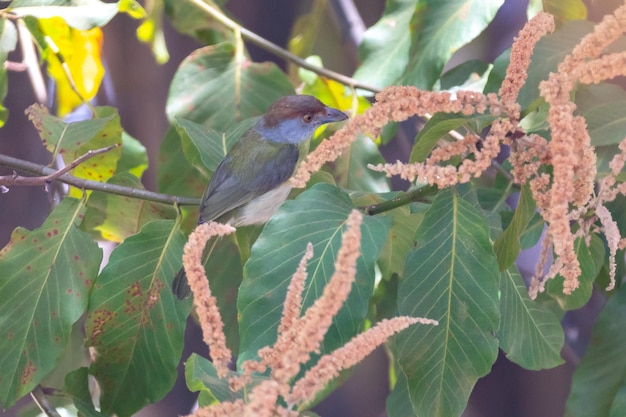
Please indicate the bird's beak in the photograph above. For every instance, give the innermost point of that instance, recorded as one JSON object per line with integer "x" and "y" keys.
{"x": 333, "y": 115}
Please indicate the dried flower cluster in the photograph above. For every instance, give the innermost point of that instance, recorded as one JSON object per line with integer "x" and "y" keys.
{"x": 298, "y": 336}
{"x": 561, "y": 171}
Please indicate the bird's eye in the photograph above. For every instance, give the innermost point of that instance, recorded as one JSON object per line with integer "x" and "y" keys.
{"x": 307, "y": 118}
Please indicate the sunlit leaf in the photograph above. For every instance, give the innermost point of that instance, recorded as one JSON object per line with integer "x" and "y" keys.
{"x": 151, "y": 31}
{"x": 80, "y": 51}
{"x": 530, "y": 334}
{"x": 134, "y": 320}
{"x": 125, "y": 216}
{"x": 45, "y": 279}
{"x": 562, "y": 10}
{"x": 330, "y": 92}
{"x": 451, "y": 277}
{"x": 73, "y": 140}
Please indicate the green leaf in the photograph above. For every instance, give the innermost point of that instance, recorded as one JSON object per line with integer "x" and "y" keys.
{"x": 603, "y": 106}
{"x": 121, "y": 216}
{"x": 530, "y": 334}
{"x": 618, "y": 407}
{"x": 225, "y": 272}
{"x": 134, "y": 157}
{"x": 562, "y": 10}
{"x": 317, "y": 216}
{"x": 470, "y": 75}
{"x": 351, "y": 171}
{"x": 201, "y": 376}
{"x": 397, "y": 404}
{"x": 400, "y": 242}
{"x": 437, "y": 127}
{"x": 451, "y": 277}
{"x": 215, "y": 87}
{"x": 8, "y": 41}
{"x": 8, "y": 37}
{"x": 204, "y": 147}
{"x": 185, "y": 18}
{"x": 497, "y": 73}
{"x": 530, "y": 236}
{"x": 135, "y": 322}
{"x": 599, "y": 379}
{"x": 72, "y": 140}
{"x": 548, "y": 53}
{"x": 508, "y": 245}
{"x": 176, "y": 176}
{"x": 77, "y": 387}
{"x": 444, "y": 28}
{"x": 79, "y": 14}
{"x": 45, "y": 278}
{"x": 384, "y": 50}
{"x": 591, "y": 260}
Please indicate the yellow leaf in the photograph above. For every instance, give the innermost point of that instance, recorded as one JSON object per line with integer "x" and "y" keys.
{"x": 80, "y": 52}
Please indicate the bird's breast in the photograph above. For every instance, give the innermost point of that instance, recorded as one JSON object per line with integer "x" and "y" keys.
{"x": 262, "y": 208}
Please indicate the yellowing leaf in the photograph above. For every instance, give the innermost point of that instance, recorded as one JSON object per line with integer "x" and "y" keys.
{"x": 80, "y": 52}
{"x": 562, "y": 10}
{"x": 132, "y": 8}
{"x": 72, "y": 140}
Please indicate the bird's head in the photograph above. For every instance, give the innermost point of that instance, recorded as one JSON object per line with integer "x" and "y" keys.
{"x": 293, "y": 119}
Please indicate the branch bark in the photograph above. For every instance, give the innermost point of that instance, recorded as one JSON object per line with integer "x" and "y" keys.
{"x": 46, "y": 175}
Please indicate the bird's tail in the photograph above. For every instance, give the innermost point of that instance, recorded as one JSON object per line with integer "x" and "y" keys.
{"x": 180, "y": 286}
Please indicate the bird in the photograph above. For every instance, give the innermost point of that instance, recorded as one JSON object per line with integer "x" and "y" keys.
{"x": 252, "y": 180}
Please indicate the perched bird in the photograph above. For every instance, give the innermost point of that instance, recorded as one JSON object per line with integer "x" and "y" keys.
{"x": 251, "y": 182}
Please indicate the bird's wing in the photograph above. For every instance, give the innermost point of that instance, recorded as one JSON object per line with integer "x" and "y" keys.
{"x": 231, "y": 188}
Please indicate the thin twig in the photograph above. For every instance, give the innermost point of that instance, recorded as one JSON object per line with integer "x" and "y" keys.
{"x": 44, "y": 171}
{"x": 277, "y": 50}
{"x": 42, "y": 402}
{"x": 30, "y": 61}
{"x": 42, "y": 180}
{"x": 403, "y": 199}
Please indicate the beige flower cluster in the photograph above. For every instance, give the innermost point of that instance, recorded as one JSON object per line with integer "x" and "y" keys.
{"x": 561, "y": 172}
{"x": 298, "y": 336}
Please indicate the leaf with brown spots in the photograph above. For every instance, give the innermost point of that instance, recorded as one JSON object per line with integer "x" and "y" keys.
{"x": 72, "y": 140}
{"x": 135, "y": 322}
{"x": 45, "y": 278}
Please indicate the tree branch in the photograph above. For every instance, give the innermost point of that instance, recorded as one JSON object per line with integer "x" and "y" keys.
{"x": 42, "y": 402}
{"x": 47, "y": 174}
{"x": 277, "y": 50}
